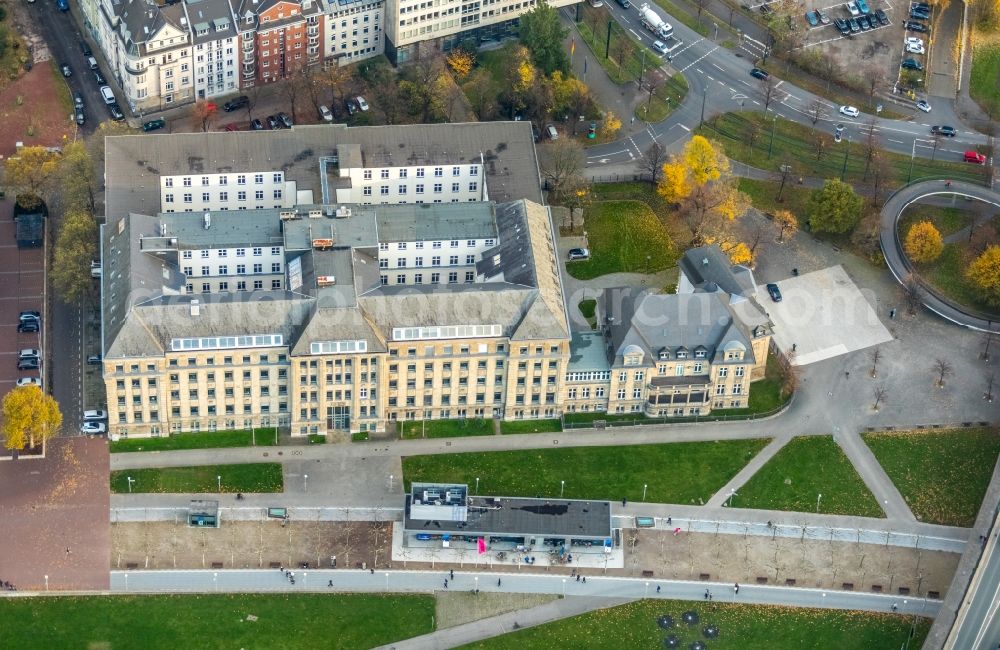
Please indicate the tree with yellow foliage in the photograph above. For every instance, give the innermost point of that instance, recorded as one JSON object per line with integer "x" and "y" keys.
{"x": 461, "y": 61}
{"x": 31, "y": 171}
{"x": 739, "y": 253}
{"x": 701, "y": 183}
{"x": 923, "y": 242}
{"x": 786, "y": 223}
{"x": 984, "y": 274}
{"x": 30, "y": 417}
{"x": 610, "y": 126}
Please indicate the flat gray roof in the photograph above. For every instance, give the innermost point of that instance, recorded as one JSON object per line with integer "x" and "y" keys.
{"x": 587, "y": 352}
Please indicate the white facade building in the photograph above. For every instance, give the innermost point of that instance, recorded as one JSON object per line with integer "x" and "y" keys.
{"x": 353, "y": 30}
{"x": 221, "y": 192}
{"x": 412, "y": 184}
{"x": 215, "y": 47}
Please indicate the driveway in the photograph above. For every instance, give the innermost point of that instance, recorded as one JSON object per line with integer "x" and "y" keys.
{"x": 822, "y": 315}
{"x": 23, "y": 282}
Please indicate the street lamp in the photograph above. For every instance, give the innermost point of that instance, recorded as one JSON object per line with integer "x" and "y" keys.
{"x": 818, "y": 497}
{"x": 126, "y": 582}
{"x": 562, "y": 487}
{"x": 387, "y": 581}
{"x": 218, "y": 480}
{"x": 645, "y": 593}
{"x": 46, "y": 583}
{"x": 564, "y": 587}
{"x": 704, "y": 97}
{"x": 477, "y": 485}
{"x": 644, "y": 486}
{"x": 305, "y": 482}
{"x": 215, "y": 581}
{"x": 476, "y": 578}
{"x": 130, "y": 482}
{"x": 732, "y": 493}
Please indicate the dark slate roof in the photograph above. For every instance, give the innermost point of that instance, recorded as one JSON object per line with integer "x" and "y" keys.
{"x": 706, "y": 266}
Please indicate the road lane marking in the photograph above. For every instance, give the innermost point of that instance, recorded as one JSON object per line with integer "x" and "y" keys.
{"x": 684, "y": 127}
{"x": 719, "y": 67}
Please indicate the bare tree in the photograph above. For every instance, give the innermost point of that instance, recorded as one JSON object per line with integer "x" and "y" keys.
{"x": 988, "y": 338}
{"x": 560, "y": 161}
{"x": 821, "y": 144}
{"x": 767, "y": 87}
{"x": 943, "y": 369}
{"x": 988, "y": 395}
{"x": 701, "y": 5}
{"x": 876, "y": 77}
{"x": 816, "y": 110}
{"x": 936, "y": 142}
{"x": 871, "y": 144}
{"x": 622, "y": 48}
{"x": 291, "y": 89}
{"x": 875, "y": 355}
{"x": 911, "y": 294}
{"x": 653, "y": 160}
{"x": 786, "y": 171}
{"x": 879, "y": 393}
{"x": 252, "y": 94}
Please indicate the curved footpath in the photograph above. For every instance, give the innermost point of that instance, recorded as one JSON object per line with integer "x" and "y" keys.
{"x": 895, "y": 258}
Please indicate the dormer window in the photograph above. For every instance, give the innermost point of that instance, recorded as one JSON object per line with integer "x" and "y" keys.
{"x": 682, "y": 355}
{"x": 699, "y": 354}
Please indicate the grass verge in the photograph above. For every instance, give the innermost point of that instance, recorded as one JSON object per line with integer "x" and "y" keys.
{"x": 741, "y": 626}
{"x": 984, "y": 82}
{"x": 624, "y": 237}
{"x": 762, "y": 195}
{"x": 169, "y": 622}
{"x": 943, "y": 475}
{"x": 530, "y": 426}
{"x": 199, "y": 479}
{"x": 946, "y": 220}
{"x": 684, "y": 472}
{"x": 199, "y": 440}
{"x": 947, "y": 275}
{"x": 800, "y": 472}
{"x": 410, "y": 429}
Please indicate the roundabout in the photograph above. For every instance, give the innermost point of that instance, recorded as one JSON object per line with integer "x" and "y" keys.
{"x": 900, "y": 265}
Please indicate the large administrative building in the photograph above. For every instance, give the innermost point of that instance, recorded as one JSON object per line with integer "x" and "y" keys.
{"x": 326, "y": 278}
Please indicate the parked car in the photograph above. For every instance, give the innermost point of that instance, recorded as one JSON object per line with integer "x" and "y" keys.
{"x": 79, "y": 116}
{"x": 28, "y": 326}
{"x": 862, "y": 6}
{"x": 233, "y": 104}
{"x": 849, "y": 111}
{"x": 923, "y": 105}
{"x": 824, "y": 18}
{"x": 842, "y": 26}
{"x": 154, "y": 125}
{"x": 759, "y": 74}
{"x": 882, "y": 18}
{"x": 872, "y": 21}
{"x": 99, "y": 78}
{"x": 766, "y": 10}
{"x": 66, "y": 70}
{"x": 914, "y": 40}
{"x": 28, "y": 353}
{"x": 232, "y": 126}
{"x": 351, "y": 107}
{"x": 812, "y": 18}
{"x": 974, "y": 157}
{"x": 116, "y": 112}
{"x": 914, "y": 26}
{"x": 29, "y": 364}
{"x": 863, "y": 23}
{"x": 85, "y": 48}
{"x": 852, "y": 8}
{"x": 550, "y": 130}
{"x": 272, "y": 122}
{"x": 946, "y": 131}
{"x": 912, "y": 48}
{"x": 78, "y": 99}
{"x": 95, "y": 416}
{"x": 94, "y": 360}
{"x": 29, "y": 314}
{"x": 917, "y": 15}
{"x": 325, "y": 114}
{"x": 285, "y": 120}
{"x": 579, "y": 254}
{"x": 911, "y": 64}
{"x": 256, "y": 125}
{"x": 93, "y": 427}
{"x": 92, "y": 63}
{"x": 63, "y": 5}
{"x": 853, "y": 24}
{"x": 108, "y": 95}
{"x": 30, "y": 381}
{"x": 362, "y": 104}
{"x": 774, "y": 292}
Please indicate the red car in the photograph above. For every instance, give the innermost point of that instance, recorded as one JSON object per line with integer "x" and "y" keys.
{"x": 975, "y": 157}
{"x": 232, "y": 126}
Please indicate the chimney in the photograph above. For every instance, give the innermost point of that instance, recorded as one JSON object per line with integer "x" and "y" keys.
{"x": 704, "y": 260}
{"x": 208, "y": 220}
{"x": 195, "y": 308}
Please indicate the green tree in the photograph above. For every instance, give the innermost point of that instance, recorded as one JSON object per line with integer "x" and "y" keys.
{"x": 543, "y": 34}
{"x": 77, "y": 183}
{"x": 30, "y": 417}
{"x": 834, "y": 208}
{"x": 31, "y": 171}
{"x": 76, "y": 246}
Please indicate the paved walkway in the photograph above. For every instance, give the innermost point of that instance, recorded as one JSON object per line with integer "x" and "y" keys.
{"x": 900, "y": 266}
{"x": 767, "y": 453}
{"x": 874, "y": 477}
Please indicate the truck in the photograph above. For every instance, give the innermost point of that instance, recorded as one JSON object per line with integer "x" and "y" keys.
{"x": 652, "y": 21}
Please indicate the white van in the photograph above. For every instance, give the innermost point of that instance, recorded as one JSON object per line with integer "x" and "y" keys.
{"x": 108, "y": 95}
{"x": 94, "y": 416}
{"x": 92, "y": 62}
{"x": 552, "y": 133}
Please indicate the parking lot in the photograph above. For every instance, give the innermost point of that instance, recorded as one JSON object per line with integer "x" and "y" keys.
{"x": 22, "y": 283}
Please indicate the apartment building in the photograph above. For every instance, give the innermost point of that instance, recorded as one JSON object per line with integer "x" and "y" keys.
{"x": 216, "y": 43}
{"x": 149, "y": 49}
{"x": 278, "y": 38}
{"x": 416, "y": 28}
{"x": 352, "y": 30}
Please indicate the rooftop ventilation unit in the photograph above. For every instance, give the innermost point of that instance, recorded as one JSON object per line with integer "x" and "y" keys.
{"x": 288, "y": 215}
{"x": 325, "y": 280}
{"x": 323, "y": 244}
{"x": 315, "y": 214}
{"x": 343, "y": 213}
{"x": 195, "y": 308}
{"x": 208, "y": 221}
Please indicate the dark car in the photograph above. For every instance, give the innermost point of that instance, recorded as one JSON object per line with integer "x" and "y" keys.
{"x": 872, "y": 21}
{"x": 272, "y": 122}
{"x": 624, "y": 3}
{"x": 232, "y": 126}
{"x": 28, "y": 326}
{"x": 919, "y": 15}
{"x": 853, "y": 24}
{"x": 352, "y": 108}
{"x": 94, "y": 360}
{"x": 256, "y": 125}
{"x": 233, "y": 104}
{"x": 78, "y": 99}
{"x": 66, "y": 70}
{"x": 882, "y": 18}
{"x": 946, "y": 131}
{"x": 914, "y": 26}
{"x": 85, "y": 48}
{"x": 32, "y": 363}
{"x": 759, "y": 74}
{"x": 79, "y": 116}
{"x": 911, "y": 64}
{"x": 285, "y": 120}
{"x": 842, "y": 26}
{"x": 774, "y": 292}
{"x": 863, "y": 23}
{"x": 99, "y": 78}
{"x": 766, "y": 9}
{"x": 116, "y": 112}
{"x": 154, "y": 125}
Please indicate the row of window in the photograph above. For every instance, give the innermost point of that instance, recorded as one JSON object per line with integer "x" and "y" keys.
{"x": 223, "y": 179}
{"x": 383, "y": 190}
{"x": 256, "y": 251}
{"x": 241, "y": 195}
{"x": 241, "y": 285}
{"x": 403, "y": 172}
{"x": 418, "y": 278}
{"x": 419, "y": 261}
{"x": 241, "y": 269}
{"x": 454, "y": 243}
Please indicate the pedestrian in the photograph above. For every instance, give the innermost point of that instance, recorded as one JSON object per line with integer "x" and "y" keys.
{"x": 847, "y": 374}
{"x": 578, "y": 578}
{"x": 446, "y": 583}
{"x": 452, "y": 574}
{"x": 373, "y": 570}
{"x": 736, "y": 587}
{"x": 657, "y": 588}
{"x": 769, "y": 524}
{"x": 794, "y": 346}
{"x": 624, "y": 502}
{"x": 706, "y": 594}
{"x": 498, "y": 582}
{"x": 584, "y": 579}
{"x": 892, "y": 313}
{"x": 669, "y": 521}
{"x": 895, "y": 607}
{"x": 329, "y": 584}
{"x": 281, "y": 568}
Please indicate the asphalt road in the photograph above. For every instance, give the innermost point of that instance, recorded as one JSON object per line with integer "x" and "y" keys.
{"x": 978, "y": 625}
{"x": 719, "y": 80}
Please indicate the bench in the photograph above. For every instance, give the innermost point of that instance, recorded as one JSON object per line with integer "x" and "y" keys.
{"x": 789, "y": 582}
{"x": 647, "y": 574}
{"x": 131, "y": 565}
{"x": 276, "y": 565}
{"x": 877, "y": 589}
{"x": 218, "y": 565}
{"x": 904, "y": 591}
{"x": 704, "y": 576}
{"x": 847, "y": 586}
{"x": 762, "y": 580}
{"x": 936, "y": 595}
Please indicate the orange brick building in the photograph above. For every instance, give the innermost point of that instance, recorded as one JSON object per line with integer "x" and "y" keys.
{"x": 278, "y": 38}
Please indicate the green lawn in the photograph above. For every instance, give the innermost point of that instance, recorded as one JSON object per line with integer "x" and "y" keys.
{"x": 947, "y": 275}
{"x": 588, "y": 308}
{"x": 530, "y": 426}
{"x": 793, "y": 144}
{"x": 766, "y": 394}
{"x": 943, "y": 475}
{"x": 663, "y": 100}
{"x": 741, "y": 627}
{"x": 411, "y": 429}
{"x": 624, "y": 237}
{"x": 214, "y": 621}
{"x": 199, "y": 440}
{"x": 946, "y": 220}
{"x": 763, "y": 196}
{"x": 248, "y": 477}
{"x": 359, "y": 436}
{"x": 984, "y": 84}
{"x": 683, "y": 472}
{"x": 803, "y": 469}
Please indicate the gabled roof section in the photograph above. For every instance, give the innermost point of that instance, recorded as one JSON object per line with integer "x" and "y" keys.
{"x": 706, "y": 266}
{"x": 548, "y": 317}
